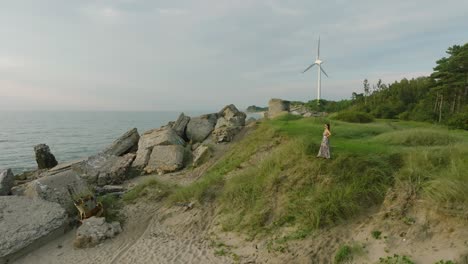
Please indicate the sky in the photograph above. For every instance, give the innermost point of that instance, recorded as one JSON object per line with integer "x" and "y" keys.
{"x": 154, "y": 55}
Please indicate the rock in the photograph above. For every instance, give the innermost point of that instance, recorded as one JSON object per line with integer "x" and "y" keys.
{"x": 181, "y": 125}
{"x": 165, "y": 159}
{"x": 63, "y": 166}
{"x": 44, "y": 158}
{"x": 26, "y": 224}
{"x": 201, "y": 127}
{"x": 94, "y": 230}
{"x": 232, "y": 115}
{"x": 201, "y": 154}
{"x": 126, "y": 143}
{"x": 105, "y": 169}
{"x": 250, "y": 120}
{"x": 277, "y": 107}
{"x": 54, "y": 188}
{"x": 152, "y": 138}
{"x": 195, "y": 146}
{"x": 7, "y": 181}
{"x": 228, "y": 124}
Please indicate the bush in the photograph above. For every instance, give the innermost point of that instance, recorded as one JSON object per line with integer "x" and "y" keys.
{"x": 354, "y": 117}
{"x": 459, "y": 121}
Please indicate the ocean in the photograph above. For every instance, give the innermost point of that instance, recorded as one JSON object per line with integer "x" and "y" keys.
{"x": 70, "y": 135}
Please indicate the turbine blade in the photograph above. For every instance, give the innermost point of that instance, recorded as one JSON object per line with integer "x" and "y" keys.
{"x": 309, "y": 67}
{"x": 318, "y": 49}
{"x": 323, "y": 71}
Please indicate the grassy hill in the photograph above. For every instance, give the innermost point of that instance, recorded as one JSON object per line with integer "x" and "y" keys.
{"x": 272, "y": 179}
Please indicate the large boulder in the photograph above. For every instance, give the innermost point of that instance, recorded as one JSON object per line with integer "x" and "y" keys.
{"x": 7, "y": 181}
{"x": 277, "y": 107}
{"x": 165, "y": 159}
{"x": 201, "y": 127}
{"x": 94, "y": 230}
{"x": 44, "y": 158}
{"x": 181, "y": 125}
{"x": 55, "y": 188}
{"x": 229, "y": 123}
{"x": 105, "y": 169}
{"x": 200, "y": 155}
{"x": 152, "y": 138}
{"x": 126, "y": 143}
{"x": 26, "y": 224}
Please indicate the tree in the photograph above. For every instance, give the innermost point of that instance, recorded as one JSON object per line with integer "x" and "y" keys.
{"x": 366, "y": 90}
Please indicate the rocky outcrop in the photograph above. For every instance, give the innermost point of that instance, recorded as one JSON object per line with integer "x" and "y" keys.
{"x": 199, "y": 128}
{"x": 94, "y": 230}
{"x": 44, "y": 158}
{"x": 26, "y": 224}
{"x": 229, "y": 123}
{"x": 165, "y": 159}
{"x": 181, "y": 125}
{"x": 7, "y": 181}
{"x": 200, "y": 155}
{"x": 302, "y": 110}
{"x": 277, "y": 107}
{"x": 126, "y": 143}
{"x": 54, "y": 188}
{"x": 105, "y": 169}
{"x": 152, "y": 138}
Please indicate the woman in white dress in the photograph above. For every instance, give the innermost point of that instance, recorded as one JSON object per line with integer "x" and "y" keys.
{"x": 324, "y": 151}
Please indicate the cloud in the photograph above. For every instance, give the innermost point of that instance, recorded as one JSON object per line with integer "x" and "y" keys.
{"x": 171, "y": 11}
{"x": 102, "y": 13}
{"x": 9, "y": 63}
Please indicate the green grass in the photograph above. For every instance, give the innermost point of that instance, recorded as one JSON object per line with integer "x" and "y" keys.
{"x": 112, "y": 208}
{"x": 346, "y": 253}
{"x": 376, "y": 234}
{"x": 288, "y": 186}
{"x": 396, "y": 259}
{"x": 354, "y": 117}
{"x": 418, "y": 137}
{"x": 150, "y": 190}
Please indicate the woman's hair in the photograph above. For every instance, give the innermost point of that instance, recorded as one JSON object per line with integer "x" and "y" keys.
{"x": 328, "y": 126}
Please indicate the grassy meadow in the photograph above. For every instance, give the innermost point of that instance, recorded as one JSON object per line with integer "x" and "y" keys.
{"x": 272, "y": 177}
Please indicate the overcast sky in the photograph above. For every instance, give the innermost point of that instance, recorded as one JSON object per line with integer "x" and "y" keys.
{"x": 203, "y": 54}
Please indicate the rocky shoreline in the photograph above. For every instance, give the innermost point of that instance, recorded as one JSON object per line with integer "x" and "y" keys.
{"x": 38, "y": 205}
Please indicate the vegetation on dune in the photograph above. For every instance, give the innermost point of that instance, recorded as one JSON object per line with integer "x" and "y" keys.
{"x": 149, "y": 190}
{"x": 112, "y": 207}
{"x": 438, "y": 174}
{"x": 354, "y": 117}
{"x": 346, "y": 253}
{"x": 288, "y": 185}
{"x": 272, "y": 178}
{"x": 418, "y": 137}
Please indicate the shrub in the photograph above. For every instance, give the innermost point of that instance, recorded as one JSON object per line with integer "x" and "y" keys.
{"x": 376, "y": 234}
{"x": 346, "y": 253}
{"x": 112, "y": 207}
{"x": 343, "y": 254}
{"x": 459, "y": 121}
{"x": 354, "y": 117}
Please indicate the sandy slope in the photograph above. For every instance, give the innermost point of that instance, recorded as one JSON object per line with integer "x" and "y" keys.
{"x": 146, "y": 238}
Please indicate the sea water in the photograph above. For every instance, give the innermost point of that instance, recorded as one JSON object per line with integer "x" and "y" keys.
{"x": 70, "y": 135}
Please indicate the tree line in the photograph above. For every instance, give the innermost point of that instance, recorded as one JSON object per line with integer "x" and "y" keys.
{"x": 441, "y": 97}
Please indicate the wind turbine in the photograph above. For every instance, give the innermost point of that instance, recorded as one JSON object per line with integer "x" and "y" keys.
{"x": 318, "y": 62}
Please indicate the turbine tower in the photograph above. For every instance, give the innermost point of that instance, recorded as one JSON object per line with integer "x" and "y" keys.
{"x": 318, "y": 62}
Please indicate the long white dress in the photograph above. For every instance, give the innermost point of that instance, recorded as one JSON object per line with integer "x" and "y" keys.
{"x": 324, "y": 151}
